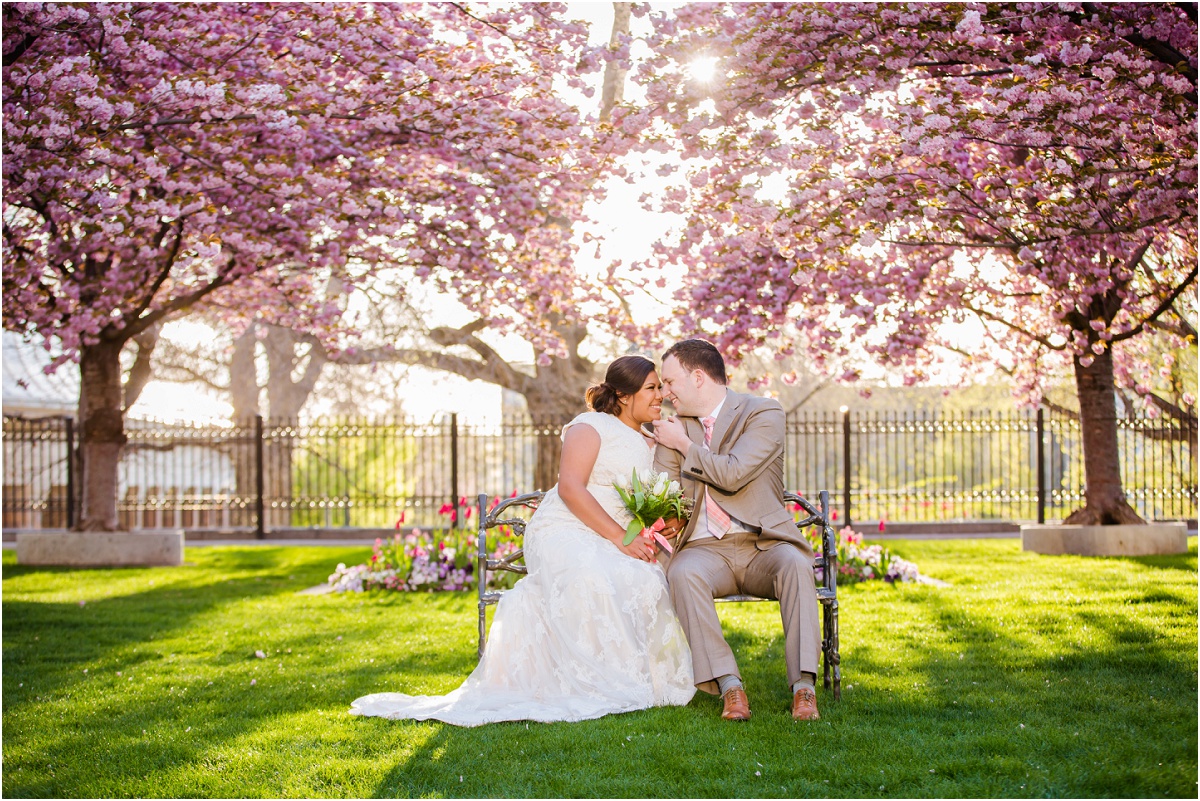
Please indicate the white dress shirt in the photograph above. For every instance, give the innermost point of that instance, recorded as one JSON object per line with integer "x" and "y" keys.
{"x": 700, "y": 531}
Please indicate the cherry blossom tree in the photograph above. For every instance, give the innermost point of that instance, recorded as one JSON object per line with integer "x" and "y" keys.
{"x": 867, "y": 175}
{"x": 160, "y": 158}
{"x": 393, "y": 327}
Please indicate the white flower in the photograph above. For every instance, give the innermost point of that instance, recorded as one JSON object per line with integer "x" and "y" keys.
{"x": 673, "y": 488}
{"x": 660, "y": 484}
{"x": 969, "y": 25}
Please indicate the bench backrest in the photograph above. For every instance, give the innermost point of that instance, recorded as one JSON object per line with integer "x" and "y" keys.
{"x": 507, "y": 513}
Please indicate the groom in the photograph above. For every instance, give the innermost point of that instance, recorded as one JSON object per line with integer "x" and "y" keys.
{"x": 726, "y": 450}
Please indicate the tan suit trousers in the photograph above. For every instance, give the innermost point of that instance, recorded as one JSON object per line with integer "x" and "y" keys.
{"x": 708, "y": 568}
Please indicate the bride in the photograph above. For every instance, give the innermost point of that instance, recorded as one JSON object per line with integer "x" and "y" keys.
{"x": 590, "y": 630}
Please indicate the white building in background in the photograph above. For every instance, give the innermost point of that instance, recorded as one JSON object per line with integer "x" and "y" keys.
{"x": 34, "y": 494}
{"x": 28, "y": 390}
{"x": 170, "y": 474}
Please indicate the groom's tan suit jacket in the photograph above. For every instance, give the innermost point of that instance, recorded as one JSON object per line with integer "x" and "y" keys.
{"x": 742, "y": 468}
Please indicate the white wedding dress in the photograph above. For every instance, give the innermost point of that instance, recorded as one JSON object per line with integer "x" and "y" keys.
{"x": 588, "y": 632}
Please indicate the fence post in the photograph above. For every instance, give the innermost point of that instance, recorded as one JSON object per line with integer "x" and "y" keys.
{"x": 846, "y": 464}
{"x": 454, "y": 467}
{"x": 1041, "y": 466}
{"x": 260, "y": 529}
{"x": 70, "y": 473}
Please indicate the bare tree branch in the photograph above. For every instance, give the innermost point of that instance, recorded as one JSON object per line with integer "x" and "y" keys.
{"x": 808, "y": 396}
{"x": 142, "y": 370}
{"x": 1166, "y": 304}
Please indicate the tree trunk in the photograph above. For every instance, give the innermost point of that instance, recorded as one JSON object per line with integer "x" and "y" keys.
{"x": 243, "y": 395}
{"x": 101, "y": 434}
{"x": 243, "y": 376}
{"x": 1106, "y": 504}
{"x": 286, "y": 396}
{"x": 553, "y": 399}
{"x": 548, "y": 435}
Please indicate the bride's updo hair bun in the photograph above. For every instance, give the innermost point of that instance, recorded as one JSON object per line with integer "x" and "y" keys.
{"x": 625, "y": 377}
{"x": 603, "y": 398}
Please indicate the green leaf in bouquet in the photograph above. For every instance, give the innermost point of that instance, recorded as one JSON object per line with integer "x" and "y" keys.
{"x": 639, "y": 493}
{"x": 632, "y": 530}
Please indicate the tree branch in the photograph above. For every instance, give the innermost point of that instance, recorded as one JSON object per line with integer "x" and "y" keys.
{"x": 1181, "y": 328}
{"x": 142, "y": 371}
{"x": 470, "y": 369}
{"x": 168, "y": 263}
{"x": 11, "y": 57}
{"x": 191, "y": 375}
{"x": 808, "y": 396}
{"x": 1167, "y": 303}
{"x": 180, "y": 303}
{"x": 1166, "y": 406}
{"x": 1158, "y": 49}
{"x": 613, "y": 88}
{"x": 1059, "y": 409}
{"x": 447, "y": 337}
{"x": 998, "y": 319}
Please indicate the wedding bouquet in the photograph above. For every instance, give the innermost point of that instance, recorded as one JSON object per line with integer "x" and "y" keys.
{"x": 652, "y": 498}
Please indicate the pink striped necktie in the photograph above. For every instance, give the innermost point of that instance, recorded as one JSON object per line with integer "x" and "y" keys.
{"x": 718, "y": 519}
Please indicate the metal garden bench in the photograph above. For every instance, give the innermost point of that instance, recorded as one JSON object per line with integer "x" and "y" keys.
{"x": 506, "y": 512}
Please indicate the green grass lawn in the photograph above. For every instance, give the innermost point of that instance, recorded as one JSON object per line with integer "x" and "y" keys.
{"x": 1027, "y": 676}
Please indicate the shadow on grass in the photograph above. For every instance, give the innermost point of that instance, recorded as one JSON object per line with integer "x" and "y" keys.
{"x": 1102, "y": 697}
{"x": 1058, "y": 699}
{"x": 182, "y": 655}
{"x": 1077, "y": 702}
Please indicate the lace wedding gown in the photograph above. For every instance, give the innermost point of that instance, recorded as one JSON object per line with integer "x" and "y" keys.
{"x": 588, "y": 632}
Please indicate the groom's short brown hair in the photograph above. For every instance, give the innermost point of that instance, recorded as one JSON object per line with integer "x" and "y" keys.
{"x": 699, "y": 354}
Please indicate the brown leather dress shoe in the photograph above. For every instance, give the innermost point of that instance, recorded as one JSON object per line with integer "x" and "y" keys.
{"x": 737, "y": 705}
{"x": 804, "y": 705}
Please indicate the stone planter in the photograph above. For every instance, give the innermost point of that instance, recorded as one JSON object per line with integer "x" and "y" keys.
{"x": 100, "y": 548}
{"x": 1147, "y": 540}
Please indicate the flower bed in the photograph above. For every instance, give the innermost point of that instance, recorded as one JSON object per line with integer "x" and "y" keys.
{"x": 439, "y": 560}
{"x": 858, "y": 561}
{"x": 443, "y": 560}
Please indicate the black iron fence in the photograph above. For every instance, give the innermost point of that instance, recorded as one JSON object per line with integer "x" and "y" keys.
{"x": 271, "y": 474}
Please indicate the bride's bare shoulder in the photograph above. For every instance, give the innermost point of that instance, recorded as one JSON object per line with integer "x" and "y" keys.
{"x": 593, "y": 420}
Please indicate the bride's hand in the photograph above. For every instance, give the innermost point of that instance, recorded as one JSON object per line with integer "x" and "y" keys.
{"x": 641, "y": 548}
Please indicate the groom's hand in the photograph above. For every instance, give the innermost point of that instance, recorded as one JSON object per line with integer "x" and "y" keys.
{"x": 670, "y": 432}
